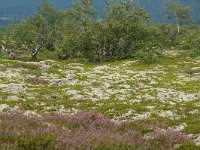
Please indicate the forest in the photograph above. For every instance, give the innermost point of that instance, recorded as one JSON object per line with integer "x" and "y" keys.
{"x": 75, "y": 79}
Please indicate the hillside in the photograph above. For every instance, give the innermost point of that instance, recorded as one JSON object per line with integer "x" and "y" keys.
{"x": 164, "y": 95}
{"x": 72, "y": 81}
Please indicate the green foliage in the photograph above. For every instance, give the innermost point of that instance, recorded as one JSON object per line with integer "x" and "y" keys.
{"x": 178, "y": 14}
{"x": 40, "y": 31}
{"x": 123, "y": 30}
{"x": 42, "y": 143}
{"x": 191, "y": 42}
{"x": 1, "y": 42}
{"x": 167, "y": 34}
{"x": 9, "y": 41}
{"x": 78, "y": 28}
{"x": 149, "y": 57}
{"x": 78, "y": 33}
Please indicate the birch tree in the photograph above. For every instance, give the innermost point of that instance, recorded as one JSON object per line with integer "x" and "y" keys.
{"x": 178, "y": 14}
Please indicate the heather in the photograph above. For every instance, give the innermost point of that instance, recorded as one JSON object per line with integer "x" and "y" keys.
{"x": 85, "y": 130}
{"x": 157, "y": 103}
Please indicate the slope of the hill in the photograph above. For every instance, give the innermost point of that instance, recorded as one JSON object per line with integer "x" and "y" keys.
{"x": 125, "y": 90}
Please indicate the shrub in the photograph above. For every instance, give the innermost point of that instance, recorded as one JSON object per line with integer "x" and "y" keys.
{"x": 191, "y": 42}
{"x": 78, "y": 32}
{"x": 36, "y": 81}
{"x": 149, "y": 57}
{"x": 85, "y": 130}
{"x": 118, "y": 35}
{"x": 42, "y": 31}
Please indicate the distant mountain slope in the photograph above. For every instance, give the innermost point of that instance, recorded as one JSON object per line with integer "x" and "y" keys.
{"x": 156, "y": 8}
{"x": 16, "y": 9}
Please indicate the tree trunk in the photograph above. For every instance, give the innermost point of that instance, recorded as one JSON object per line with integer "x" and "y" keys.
{"x": 35, "y": 52}
{"x": 178, "y": 28}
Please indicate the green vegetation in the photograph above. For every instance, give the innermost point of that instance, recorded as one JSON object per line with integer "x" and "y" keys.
{"x": 179, "y": 14}
{"x": 160, "y": 102}
{"x": 146, "y": 81}
{"x": 79, "y": 33}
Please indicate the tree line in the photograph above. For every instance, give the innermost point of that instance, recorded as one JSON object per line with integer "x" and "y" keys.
{"x": 122, "y": 32}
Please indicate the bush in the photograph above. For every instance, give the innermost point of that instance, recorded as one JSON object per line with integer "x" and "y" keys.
{"x": 167, "y": 34}
{"x": 42, "y": 31}
{"x": 78, "y": 33}
{"x": 36, "y": 143}
{"x": 191, "y": 42}
{"x": 149, "y": 57}
{"x": 85, "y": 130}
{"x": 119, "y": 35}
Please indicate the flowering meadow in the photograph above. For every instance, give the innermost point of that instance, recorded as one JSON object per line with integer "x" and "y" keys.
{"x": 123, "y": 105}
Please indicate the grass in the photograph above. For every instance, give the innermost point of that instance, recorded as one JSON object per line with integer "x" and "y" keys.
{"x": 123, "y": 90}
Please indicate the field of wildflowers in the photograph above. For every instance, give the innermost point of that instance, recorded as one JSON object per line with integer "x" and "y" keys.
{"x": 107, "y": 106}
